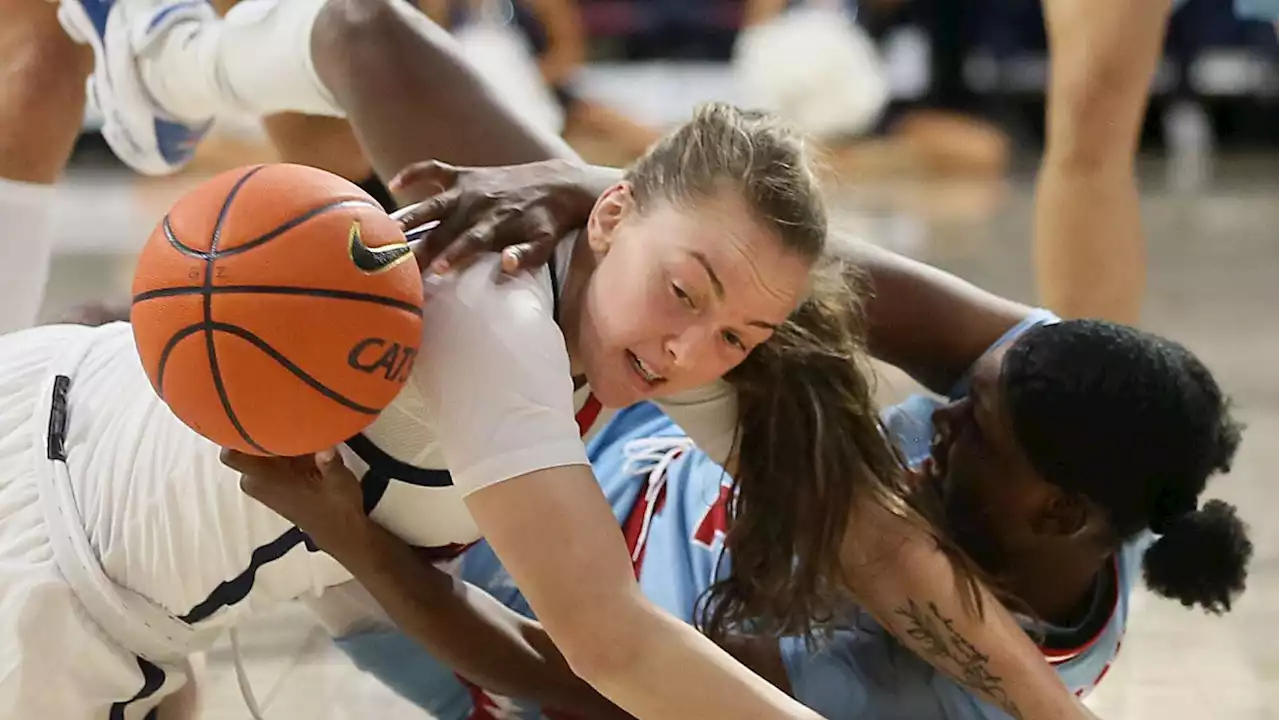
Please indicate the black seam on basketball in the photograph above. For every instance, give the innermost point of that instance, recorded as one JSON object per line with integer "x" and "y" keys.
{"x": 177, "y": 244}
{"x": 281, "y": 290}
{"x": 172, "y": 237}
{"x": 263, "y": 239}
{"x": 207, "y": 296}
{"x": 297, "y": 371}
{"x": 177, "y": 337}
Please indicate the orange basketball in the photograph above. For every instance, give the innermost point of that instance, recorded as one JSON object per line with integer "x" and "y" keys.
{"x": 277, "y": 309}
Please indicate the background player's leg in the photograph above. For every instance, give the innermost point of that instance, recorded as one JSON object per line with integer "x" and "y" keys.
{"x": 260, "y": 60}
{"x": 386, "y": 62}
{"x": 174, "y": 65}
{"x": 324, "y": 142}
{"x": 1089, "y": 252}
{"x": 42, "y": 76}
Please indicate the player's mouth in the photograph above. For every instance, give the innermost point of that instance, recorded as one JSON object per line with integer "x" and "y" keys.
{"x": 649, "y": 378}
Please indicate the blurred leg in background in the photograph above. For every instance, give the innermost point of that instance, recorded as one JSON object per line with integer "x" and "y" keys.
{"x": 42, "y": 80}
{"x": 324, "y": 142}
{"x": 937, "y": 129}
{"x": 947, "y": 134}
{"x": 555, "y": 32}
{"x": 1090, "y": 257}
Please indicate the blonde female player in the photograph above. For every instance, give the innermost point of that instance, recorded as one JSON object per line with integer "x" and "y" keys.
{"x": 126, "y": 542}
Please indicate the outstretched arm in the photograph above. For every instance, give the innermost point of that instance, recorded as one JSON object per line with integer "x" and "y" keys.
{"x": 494, "y": 646}
{"x": 461, "y": 625}
{"x": 898, "y": 574}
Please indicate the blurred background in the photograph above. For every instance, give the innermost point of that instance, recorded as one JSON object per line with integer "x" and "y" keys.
{"x": 932, "y": 127}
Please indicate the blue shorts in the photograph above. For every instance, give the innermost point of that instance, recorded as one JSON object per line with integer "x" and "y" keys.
{"x": 401, "y": 664}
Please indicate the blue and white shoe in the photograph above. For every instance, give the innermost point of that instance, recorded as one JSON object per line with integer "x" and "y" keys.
{"x": 139, "y": 133}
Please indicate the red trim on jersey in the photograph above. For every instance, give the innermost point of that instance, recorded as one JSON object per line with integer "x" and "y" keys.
{"x": 444, "y": 553}
{"x": 716, "y": 520}
{"x": 587, "y": 416}
{"x": 635, "y": 523}
{"x": 1058, "y": 656}
{"x": 1102, "y": 674}
{"x": 482, "y": 706}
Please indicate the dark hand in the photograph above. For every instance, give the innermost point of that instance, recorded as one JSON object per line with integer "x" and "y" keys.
{"x": 521, "y": 210}
{"x": 317, "y": 493}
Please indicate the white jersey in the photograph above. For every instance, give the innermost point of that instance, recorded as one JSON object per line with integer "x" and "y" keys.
{"x": 494, "y": 368}
{"x": 163, "y": 516}
{"x": 491, "y": 398}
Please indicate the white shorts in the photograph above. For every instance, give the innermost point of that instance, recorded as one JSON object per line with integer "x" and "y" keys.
{"x": 55, "y": 660}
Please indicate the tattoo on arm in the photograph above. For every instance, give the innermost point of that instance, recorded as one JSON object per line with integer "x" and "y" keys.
{"x": 939, "y": 642}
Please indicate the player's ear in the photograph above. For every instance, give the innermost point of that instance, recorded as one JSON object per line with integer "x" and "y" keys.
{"x": 1063, "y": 515}
{"x": 611, "y": 209}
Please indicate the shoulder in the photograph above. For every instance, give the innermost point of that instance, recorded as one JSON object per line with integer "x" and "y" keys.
{"x": 481, "y": 291}
{"x": 495, "y": 376}
{"x": 481, "y": 323}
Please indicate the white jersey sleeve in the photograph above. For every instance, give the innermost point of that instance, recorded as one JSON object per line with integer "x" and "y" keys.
{"x": 494, "y": 374}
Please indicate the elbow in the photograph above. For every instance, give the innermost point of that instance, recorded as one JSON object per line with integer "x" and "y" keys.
{"x": 600, "y": 649}
{"x": 599, "y": 658}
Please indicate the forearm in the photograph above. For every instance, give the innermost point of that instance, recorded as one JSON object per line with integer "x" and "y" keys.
{"x": 923, "y": 320}
{"x": 558, "y": 538}
{"x": 709, "y": 683}
{"x": 898, "y": 574}
{"x": 466, "y": 628}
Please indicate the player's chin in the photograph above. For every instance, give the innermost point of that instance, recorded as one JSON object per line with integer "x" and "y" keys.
{"x": 617, "y": 387}
{"x": 614, "y": 394}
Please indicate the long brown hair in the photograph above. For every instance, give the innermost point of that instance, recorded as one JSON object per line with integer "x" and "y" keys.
{"x": 808, "y": 427}
{"x": 809, "y": 436}
{"x": 810, "y": 440}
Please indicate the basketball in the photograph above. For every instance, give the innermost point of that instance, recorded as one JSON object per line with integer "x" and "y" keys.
{"x": 277, "y": 309}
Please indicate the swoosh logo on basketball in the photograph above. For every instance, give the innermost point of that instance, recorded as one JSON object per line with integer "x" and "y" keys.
{"x": 375, "y": 260}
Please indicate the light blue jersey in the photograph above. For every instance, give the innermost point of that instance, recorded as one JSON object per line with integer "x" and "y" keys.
{"x": 670, "y": 502}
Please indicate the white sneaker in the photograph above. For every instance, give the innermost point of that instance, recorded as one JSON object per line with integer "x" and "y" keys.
{"x": 139, "y": 133}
